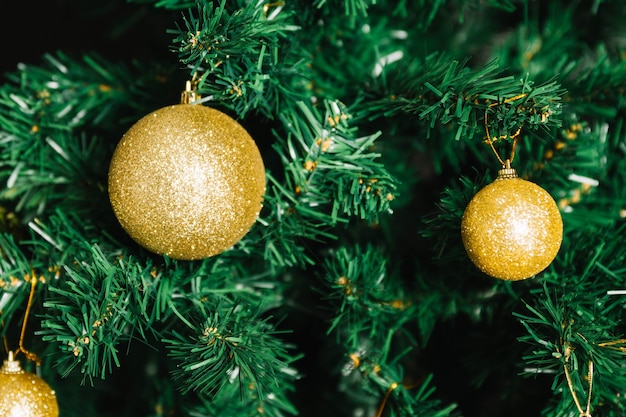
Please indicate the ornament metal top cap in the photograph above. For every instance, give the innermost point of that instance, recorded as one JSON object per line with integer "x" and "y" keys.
{"x": 189, "y": 95}
{"x": 507, "y": 172}
{"x": 11, "y": 366}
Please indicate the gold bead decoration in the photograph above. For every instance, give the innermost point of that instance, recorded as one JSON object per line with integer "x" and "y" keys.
{"x": 186, "y": 181}
{"x": 24, "y": 394}
{"x": 512, "y": 228}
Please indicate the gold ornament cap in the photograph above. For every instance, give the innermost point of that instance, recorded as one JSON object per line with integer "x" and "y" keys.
{"x": 11, "y": 366}
{"x": 506, "y": 173}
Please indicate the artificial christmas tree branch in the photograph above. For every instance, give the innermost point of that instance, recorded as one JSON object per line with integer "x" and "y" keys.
{"x": 352, "y": 293}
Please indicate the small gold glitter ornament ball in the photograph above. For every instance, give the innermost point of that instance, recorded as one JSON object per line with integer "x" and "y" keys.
{"x": 24, "y": 394}
{"x": 186, "y": 181}
{"x": 512, "y": 228}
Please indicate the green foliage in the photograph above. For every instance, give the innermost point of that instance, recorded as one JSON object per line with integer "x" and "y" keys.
{"x": 333, "y": 165}
{"x": 372, "y": 323}
{"x": 51, "y": 116}
{"x": 237, "y": 58}
{"x": 232, "y": 340}
{"x": 576, "y": 319}
{"x": 330, "y": 176}
{"x": 89, "y": 333}
{"x": 444, "y": 91}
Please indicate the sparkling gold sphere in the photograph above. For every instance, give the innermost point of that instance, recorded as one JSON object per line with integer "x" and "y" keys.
{"x": 512, "y": 228}
{"x": 24, "y": 394}
{"x": 186, "y": 181}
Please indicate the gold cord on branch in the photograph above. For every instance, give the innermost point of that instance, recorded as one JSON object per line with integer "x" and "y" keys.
{"x": 29, "y": 355}
{"x": 490, "y": 140}
{"x": 587, "y": 411}
{"x": 385, "y": 398}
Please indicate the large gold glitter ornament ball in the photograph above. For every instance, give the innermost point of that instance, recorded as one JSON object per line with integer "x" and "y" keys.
{"x": 23, "y": 394}
{"x": 186, "y": 181}
{"x": 512, "y": 228}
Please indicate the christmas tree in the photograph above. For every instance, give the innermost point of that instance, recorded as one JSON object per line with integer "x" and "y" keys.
{"x": 360, "y": 287}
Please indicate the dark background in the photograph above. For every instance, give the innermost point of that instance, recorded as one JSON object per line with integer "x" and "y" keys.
{"x": 114, "y": 29}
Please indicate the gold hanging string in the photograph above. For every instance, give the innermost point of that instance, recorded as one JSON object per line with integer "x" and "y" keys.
{"x": 587, "y": 411}
{"x": 393, "y": 386}
{"x": 490, "y": 140}
{"x": 4, "y": 339}
{"x": 385, "y": 398}
{"x": 29, "y": 355}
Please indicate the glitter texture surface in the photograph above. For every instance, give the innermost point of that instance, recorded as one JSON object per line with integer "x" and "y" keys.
{"x": 25, "y": 394}
{"x": 186, "y": 181}
{"x": 512, "y": 229}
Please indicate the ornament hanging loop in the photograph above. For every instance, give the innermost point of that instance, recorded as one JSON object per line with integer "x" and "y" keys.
{"x": 490, "y": 140}
{"x": 30, "y": 355}
{"x": 587, "y": 411}
{"x": 385, "y": 398}
{"x": 32, "y": 279}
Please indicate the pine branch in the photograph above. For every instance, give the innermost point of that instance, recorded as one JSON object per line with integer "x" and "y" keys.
{"x": 97, "y": 306}
{"x": 367, "y": 304}
{"x": 331, "y": 176}
{"x": 15, "y": 274}
{"x": 238, "y": 57}
{"x": 44, "y": 116}
{"x": 595, "y": 89}
{"x": 334, "y": 166}
{"x": 575, "y": 318}
{"x": 371, "y": 318}
{"x": 230, "y": 344}
{"x": 441, "y": 91}
{"x": 444, "y": 224}
{"x": 276, "y": 404}
{"x": 592, "y": 77}
{"x": 46, "y": 98}
{"x": 427, "y": 10}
